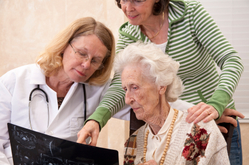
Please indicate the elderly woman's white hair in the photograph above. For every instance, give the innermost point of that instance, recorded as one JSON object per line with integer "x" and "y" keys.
{"x": 160, "y": 68}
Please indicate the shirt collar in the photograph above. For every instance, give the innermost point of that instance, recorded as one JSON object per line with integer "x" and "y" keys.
{"x": 37, "y": 76}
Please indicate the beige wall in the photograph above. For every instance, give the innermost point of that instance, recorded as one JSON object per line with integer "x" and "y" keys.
{"x": 28, "y": 25}
{"x": 114, "y": 135}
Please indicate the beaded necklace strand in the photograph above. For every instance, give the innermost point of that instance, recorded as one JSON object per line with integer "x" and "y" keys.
{"x": 167, "y": 141}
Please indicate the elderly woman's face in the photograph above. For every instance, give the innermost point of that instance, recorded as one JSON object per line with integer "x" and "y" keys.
{"x": 138, "y": 15}
{"x": 78, "y": 68}
{"x": 141, "y": 93}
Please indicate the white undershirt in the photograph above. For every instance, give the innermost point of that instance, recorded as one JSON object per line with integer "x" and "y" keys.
{"x": 156, "y": 143}
{"x": 162, "y": 46}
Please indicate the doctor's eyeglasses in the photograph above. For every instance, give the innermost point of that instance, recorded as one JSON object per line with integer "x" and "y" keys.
{"x": 96, "y": 63}
{"x": 133, "y": 2}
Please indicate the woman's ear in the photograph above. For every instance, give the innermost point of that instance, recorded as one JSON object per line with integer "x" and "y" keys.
{"x": 162, "y": 90}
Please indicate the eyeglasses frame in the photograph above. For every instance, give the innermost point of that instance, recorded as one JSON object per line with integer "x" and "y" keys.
{"x": 101, "y": 65}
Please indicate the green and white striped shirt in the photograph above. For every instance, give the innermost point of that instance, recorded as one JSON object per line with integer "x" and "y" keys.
{"x": 195, "y": 41}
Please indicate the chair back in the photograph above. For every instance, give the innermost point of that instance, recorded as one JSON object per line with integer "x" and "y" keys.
{"x": 134, "y": 122}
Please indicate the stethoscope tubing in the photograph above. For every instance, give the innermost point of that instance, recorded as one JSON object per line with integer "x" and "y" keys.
{"x": 46, "y": 97}
{"x": 84, "y": 92}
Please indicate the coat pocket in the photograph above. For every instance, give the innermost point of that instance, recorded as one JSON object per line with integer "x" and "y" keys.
{"x": 76, "y": 123}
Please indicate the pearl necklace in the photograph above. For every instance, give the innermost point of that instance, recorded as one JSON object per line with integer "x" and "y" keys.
{"x": 167, "y": 141}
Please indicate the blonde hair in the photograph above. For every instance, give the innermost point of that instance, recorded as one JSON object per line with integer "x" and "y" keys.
{"x": 50, "y": 60}
{"x": 157, "y": 66}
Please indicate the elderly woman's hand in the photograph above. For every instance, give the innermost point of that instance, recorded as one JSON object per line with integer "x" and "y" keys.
{"x": 90, "y": 129}
{"x": 150, "y": 162}
{"x": 226, "y": 117}
{"x": 201, "y": 111}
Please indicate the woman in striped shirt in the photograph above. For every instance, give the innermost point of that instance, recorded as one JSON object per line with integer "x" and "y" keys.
{"x": 186, "y": 32}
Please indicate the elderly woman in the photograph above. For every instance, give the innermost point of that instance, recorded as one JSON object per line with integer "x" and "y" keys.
{"x": 75, "y": 66}
{"x": 150, "y": 81}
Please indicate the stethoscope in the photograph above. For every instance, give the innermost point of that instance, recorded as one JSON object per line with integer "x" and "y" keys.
{"x": 46, "y": 98}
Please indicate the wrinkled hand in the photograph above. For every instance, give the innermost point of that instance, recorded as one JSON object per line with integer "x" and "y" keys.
{"x": 226, "y": 118}
{"x": 90, "y": 129}
{"x": 150, "y": 162}
{"x": 201, "y": 111}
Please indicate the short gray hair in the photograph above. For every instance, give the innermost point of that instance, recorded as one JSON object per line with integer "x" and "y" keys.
{"x": 157, "y": 66}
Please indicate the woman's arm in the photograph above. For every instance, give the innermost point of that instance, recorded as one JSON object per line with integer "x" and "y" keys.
{"x": 111, "y": 103}
{"x": 222, "y": 53}
{"x": 226, "y": 58}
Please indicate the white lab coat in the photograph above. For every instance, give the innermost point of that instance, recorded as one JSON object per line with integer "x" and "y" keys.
{"x": 65, "y": 122}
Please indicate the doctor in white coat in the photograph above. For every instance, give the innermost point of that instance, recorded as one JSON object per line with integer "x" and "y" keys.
{"x": 74, "y": 67}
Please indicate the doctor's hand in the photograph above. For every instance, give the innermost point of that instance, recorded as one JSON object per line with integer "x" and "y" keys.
{"x": 90, "y": 129}
{"x": 201, "y": 112}
{"x": 150, "y": 162}
{"x": 226, "y": 117}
